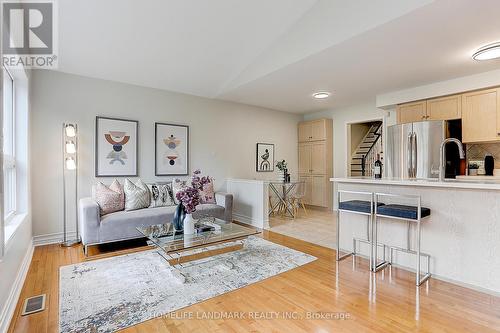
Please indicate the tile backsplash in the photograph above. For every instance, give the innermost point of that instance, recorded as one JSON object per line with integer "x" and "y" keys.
{"x": 477, "y": 151}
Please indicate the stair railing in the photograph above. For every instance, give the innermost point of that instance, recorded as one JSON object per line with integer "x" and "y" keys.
{"x": 371, "y": 154}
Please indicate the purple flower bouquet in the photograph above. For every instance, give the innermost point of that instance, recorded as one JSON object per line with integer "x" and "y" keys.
{"x": 189, "y": 196}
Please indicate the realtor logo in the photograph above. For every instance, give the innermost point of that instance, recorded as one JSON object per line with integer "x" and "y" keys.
{"x": 29, "y": 34}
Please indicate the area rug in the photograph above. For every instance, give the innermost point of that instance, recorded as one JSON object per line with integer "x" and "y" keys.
{"x": 113, "y": 293}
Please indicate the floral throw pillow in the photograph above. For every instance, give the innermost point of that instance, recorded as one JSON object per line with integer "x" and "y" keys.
{"x": 161, "y": 195}
{"x": 177, "y": 186}
{"x": 109, "y": 198}
{"x": 207, "y": 195}
{"x": 136, "y": 195}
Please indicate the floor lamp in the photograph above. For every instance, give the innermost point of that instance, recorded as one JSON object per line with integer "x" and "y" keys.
{"x": 70, "y": 164}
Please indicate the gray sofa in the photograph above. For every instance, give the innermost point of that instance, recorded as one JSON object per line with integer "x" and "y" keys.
{"x": 96, "y": 229}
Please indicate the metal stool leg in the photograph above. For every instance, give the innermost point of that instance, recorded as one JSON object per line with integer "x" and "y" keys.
{"x": 375, "y": 265}
{"x": 339, "y": 257}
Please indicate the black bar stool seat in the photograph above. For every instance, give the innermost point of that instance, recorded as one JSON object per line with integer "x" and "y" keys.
{"x": 402, "y": 211}
{"x": 358, "y": 206}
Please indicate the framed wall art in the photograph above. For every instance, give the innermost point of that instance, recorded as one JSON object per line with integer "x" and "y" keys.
{"x": 265, "y": 157}
{"x": 171, "y": 149}
{"x": 116, "y": 147}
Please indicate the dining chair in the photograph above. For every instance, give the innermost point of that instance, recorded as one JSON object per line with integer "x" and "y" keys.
{"x": 298, "y": 197}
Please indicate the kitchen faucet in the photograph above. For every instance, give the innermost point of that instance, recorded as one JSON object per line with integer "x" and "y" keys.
{"x": 442, "y": 157}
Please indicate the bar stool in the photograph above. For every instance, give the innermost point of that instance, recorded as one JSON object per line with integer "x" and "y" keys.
{"x": 360, "y": 207}
{"x": 410, "y": 214}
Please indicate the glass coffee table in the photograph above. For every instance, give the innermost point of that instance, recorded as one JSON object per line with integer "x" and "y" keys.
{"x": 179, "y": 249}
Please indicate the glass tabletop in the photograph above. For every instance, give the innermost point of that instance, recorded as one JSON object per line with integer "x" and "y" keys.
{"x": 169, "y": 240}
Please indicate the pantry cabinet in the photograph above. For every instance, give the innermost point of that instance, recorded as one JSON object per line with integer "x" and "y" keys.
{"x": 315, "y": 153}
{"x": 314, "y": 130}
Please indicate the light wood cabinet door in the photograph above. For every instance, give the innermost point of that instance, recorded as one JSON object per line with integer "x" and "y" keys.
{"x": 480, "y": 116}
{"x": 305, "y": 132}
{"x": 318, "y": 195}
{"x": 444, "y": 108}
{"x": 318, "y": 158}
{"x": 318, "y": 130}
{"x": 411, "y": 112}
{"x": 305, "y": 158}
{"x": 308, "y": 181}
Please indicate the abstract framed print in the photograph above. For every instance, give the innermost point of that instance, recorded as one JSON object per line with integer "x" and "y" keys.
{"x": 116, "y": 147}
{"x": 171, "y": 149}
{"x": 265, "y": 157}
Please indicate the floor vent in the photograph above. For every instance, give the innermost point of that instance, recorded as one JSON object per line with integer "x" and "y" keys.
{"x": 33, "y": 304}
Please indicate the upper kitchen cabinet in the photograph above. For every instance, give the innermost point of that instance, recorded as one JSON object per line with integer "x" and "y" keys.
{"x": 481, "y": 116}
{"x": 314, "y": 130}
{"x": 444, "y": 108}
{"x": 411, "y": 112}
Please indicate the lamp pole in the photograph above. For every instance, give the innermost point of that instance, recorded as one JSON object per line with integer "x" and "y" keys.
{"x": 69, "y": 149}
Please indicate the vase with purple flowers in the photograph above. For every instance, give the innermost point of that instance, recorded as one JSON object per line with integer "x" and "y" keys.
{"x": 189, "y": 198}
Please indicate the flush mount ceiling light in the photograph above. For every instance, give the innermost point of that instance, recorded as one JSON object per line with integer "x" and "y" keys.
{"x": 321, "y": 95}
{"x": 487, "y": 52}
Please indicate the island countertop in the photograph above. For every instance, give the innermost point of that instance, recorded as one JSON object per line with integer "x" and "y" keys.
{"x": 482, "y": 184}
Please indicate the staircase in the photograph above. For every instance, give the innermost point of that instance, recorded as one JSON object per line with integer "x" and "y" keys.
{"x": 367, "y": 151}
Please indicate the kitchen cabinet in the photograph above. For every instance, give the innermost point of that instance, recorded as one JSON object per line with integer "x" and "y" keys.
{"x": 315, "y": 150}
{"x": 314, "y": 130}
{"x": 411, "y": 112}
{"x": 481, "y": 116}
{"x": 312, "y": 158}
{"x": 444, "y": 108}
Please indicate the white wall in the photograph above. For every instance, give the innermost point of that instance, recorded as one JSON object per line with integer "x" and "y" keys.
{"x": 223, "y": 134}
{"x": 342, "y": 117}
{"x": 18, "y": 236}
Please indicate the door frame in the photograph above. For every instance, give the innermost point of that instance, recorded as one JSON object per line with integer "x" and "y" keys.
{"x": 348, "y": 138}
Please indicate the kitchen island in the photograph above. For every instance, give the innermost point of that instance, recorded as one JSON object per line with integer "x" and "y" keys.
{"x": 462, "y": 234}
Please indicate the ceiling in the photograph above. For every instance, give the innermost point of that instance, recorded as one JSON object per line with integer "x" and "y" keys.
{"x": 276, "y": 53}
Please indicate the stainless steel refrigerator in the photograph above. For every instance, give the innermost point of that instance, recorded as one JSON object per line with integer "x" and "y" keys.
{"x": 412, "y": 150}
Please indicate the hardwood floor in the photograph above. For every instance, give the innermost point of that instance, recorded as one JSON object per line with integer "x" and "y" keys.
{"x": 342, "y": 297}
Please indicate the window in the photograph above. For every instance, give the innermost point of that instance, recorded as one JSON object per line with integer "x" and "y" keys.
{"x": 9, "y": 158}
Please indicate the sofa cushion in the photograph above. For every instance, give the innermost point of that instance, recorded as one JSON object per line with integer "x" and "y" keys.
{"x": 136, "y": 195}
{"x": 110, "y": 199}
{"x": 161, "y": 195}
{"x": 122, "y": 225}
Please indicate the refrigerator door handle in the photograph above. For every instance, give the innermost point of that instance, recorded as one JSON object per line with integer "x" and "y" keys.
{"x": 409, "y": 156}
{"x": 414, "y": 152}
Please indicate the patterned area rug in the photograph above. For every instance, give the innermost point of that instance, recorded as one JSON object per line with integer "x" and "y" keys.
{"x": 110, "y": 294}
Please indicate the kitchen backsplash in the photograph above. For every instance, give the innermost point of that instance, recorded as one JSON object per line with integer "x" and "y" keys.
{"x": 478, "y": 151}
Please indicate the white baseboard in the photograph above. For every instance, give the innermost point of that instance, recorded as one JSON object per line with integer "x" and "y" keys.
{"x": 10, "y": 306}
{"x": 52, "y": 238}
{"x": 262, "y": 224}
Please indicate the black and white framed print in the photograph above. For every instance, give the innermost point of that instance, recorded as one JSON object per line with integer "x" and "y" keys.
{"x": 265, "y": 157}
{"x": 171, "y": 149}
{"x": 116, "y": 147}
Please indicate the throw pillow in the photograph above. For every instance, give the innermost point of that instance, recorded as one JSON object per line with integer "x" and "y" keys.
{"x": 109, "y": 198}
{"x": 136, "y": 195}
{"x": 207, "y": 195}
{"x": 161, "y": 195}
{"x": 177, "y": 186}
